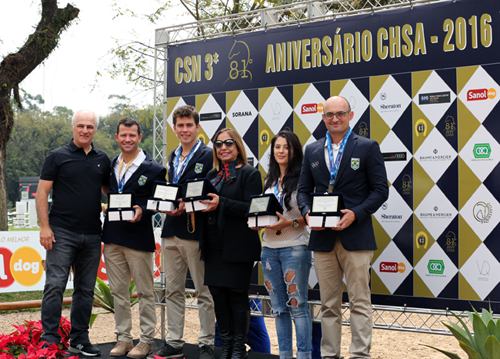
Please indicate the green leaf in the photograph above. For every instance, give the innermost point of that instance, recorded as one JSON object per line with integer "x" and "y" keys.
{"x": 497, "y": 330}
{"x": 470, "y": 352}
{"x": 491, "y": 348}
{"x": 480, "y": 332}
{"x": 458, "y": 333}
{"x": 492, "y": 328}
{"x": 93, "y": 316}
{"x": 486, "y": 315}
{"x": 132, "y": 288}
{"x": 106, "y": 294}
{"x": 448, "y": 354}
{"x": 466, "y": 329}
{"x": 103, "y": 296}
{"x": 105, "y": 305}
{"x": 134, "y": 301}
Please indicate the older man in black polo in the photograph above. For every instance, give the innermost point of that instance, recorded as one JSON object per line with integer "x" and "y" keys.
{"x": 71, "y": 233}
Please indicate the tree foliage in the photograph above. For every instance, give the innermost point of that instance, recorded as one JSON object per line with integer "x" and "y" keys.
{"x": 37, "y": 133}
{"x": 15, "y": 67}
{"x": 133, "y": 60}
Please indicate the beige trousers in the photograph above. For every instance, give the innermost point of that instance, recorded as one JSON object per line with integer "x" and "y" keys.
{"x": 330, "y": 268}
{"x": 179, "y": 255}
{"x": 121, "y": 264}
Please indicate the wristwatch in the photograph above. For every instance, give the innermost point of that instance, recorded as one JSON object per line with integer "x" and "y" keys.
{"x": 295, "y": 223}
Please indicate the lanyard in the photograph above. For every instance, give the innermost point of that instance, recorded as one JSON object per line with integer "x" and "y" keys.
{"x": 178, "y": 171}
{"x": 334, "y": 165}
{"x": 121, "y": 182}
{"x": 277, "y": 192}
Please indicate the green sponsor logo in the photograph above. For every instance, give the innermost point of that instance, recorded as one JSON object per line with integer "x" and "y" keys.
{"x": 482, "y": 150}
{"x": 435, "y": 266}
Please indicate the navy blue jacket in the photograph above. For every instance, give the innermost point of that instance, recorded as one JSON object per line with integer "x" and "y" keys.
{"x": 135, "y": 235}
{"x": 198, "y": 167}
{"x": 364, "y": 190}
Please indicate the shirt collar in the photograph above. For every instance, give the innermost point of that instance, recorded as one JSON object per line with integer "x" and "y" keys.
{"x": 75, "y": 148}
{"x": 335, "y": 147}
{"x": 138, "y": 160}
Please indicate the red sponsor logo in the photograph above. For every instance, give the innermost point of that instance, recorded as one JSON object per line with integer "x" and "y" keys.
{"x": 481, "y": 94}
{"x": 309, "y": 108}
{"x": 6, "y": 278}
{"x": 101, "y": 271}
{"x": 477, "y": 94}
{"x": 389, "y": 267}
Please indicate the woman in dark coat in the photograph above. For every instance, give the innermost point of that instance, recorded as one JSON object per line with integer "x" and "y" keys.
{"x": 228, "y": 247}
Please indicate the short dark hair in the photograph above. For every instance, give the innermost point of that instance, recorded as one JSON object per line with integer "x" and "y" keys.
{"x": 128, "y": 122}
{"x": 186, "y": 111}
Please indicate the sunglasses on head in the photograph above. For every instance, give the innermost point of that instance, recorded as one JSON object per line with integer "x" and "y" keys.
{"x": 228, "y": 143}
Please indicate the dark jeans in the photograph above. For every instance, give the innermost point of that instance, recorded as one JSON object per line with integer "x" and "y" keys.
{"x": 82, "y": 252}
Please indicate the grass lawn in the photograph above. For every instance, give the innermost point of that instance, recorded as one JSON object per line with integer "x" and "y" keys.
{"x": 23, "y": 296}
{"x": 11, "y": 228}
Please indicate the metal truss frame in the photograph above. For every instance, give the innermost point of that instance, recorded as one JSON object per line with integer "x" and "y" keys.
{"x": 263, "y": 19}
{"x": 403, "y": 319}
{"x": 384, "y": 317}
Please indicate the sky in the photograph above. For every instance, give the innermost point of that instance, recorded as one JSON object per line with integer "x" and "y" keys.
{"x": 67, "y": 77}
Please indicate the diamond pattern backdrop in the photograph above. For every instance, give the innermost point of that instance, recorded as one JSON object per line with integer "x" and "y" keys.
{"x": 437, "y": 233}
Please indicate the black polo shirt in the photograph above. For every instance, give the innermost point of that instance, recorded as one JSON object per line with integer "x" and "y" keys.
{"x": 76, "y": 191}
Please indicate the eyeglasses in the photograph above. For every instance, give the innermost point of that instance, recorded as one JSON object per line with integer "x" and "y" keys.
{"x": 228, "y": 143}
{"x": 340, "y": 115}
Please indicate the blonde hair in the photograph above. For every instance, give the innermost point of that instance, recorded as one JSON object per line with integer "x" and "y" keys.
{"x": 242, "y": 153}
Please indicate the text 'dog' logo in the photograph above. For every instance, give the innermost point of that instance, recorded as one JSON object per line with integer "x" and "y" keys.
{"x": 392, "y": 267}
{"x": 435, "y": 266}
{"x": 481, "y": 94}
{"x": 482, "y": 212}
{"x": 23, "y": 266}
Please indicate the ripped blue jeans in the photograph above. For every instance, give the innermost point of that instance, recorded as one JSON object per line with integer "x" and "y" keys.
{"x": 286, "y": 275}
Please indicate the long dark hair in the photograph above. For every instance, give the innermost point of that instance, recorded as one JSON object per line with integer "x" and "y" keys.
{"x": 291, "y": 179}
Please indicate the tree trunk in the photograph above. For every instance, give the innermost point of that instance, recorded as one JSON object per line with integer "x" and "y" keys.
{"x": 3, "y": 189}
{"x": 16, "y": 67}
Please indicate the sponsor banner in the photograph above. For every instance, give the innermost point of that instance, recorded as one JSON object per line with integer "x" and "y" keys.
{"x": 479, "y": 271}
{"x": 410, "y": 39}
{"x": 435, "y": 269}
{"x": 432, "y": 98}
{"x": 481, "y": 153}
{"x": 22, "y": 262}
{"x": 392, "y": 267}
{"x": 480, "y": 94}
{"x": 210, "y": 116}
{"x": 394, "y": 156}
{"x": 394, "y": 213}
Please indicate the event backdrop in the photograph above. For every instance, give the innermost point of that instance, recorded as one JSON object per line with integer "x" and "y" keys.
{"x": 422, "y": 81}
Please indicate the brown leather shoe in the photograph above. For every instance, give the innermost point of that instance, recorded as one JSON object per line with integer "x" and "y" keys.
{"x": 141, "y": 350}
{"x": 121, "y": 348}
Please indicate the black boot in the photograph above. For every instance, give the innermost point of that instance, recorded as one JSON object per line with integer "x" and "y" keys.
{"x": 226, "y": 333}
{"x": 241, "y": 323}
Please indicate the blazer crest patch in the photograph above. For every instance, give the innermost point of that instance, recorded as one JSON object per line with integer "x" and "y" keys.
{"x": 355, "y": 163}
{"x": 142, "y": 180}
{"x": 198, "y": 168}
